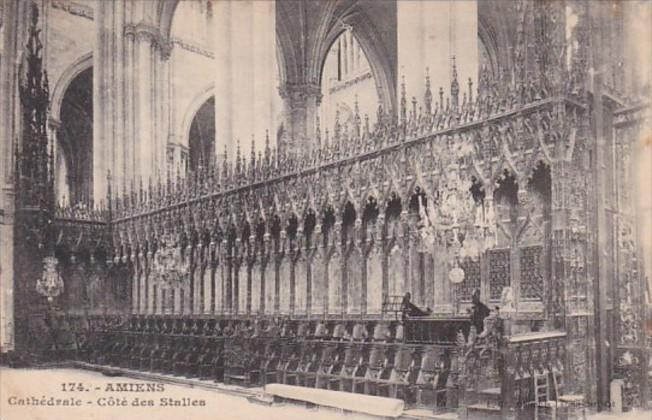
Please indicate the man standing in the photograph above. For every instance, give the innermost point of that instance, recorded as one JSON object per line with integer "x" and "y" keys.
{"x": 479, "y": 311}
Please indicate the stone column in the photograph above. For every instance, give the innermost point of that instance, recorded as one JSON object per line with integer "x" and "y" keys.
{"x": 161, "y": 103}
{"x": 118, "y": 114}
{"x": 223, "y": 81}
{"x": 301, "y": 105}
{"x": 13, "y": 28}
{"x": 115, "y": 60}
{"x": 244, "y": 72}
{"x": 145, "y": 124}
{"x": 62, "y": 191}
{"x": 100, "y": 58}
{"x": 130, "y": 163}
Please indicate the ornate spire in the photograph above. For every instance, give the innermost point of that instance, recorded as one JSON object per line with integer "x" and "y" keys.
{"x": 253, "y": 150}
{"x": 338, "y": 126}
{"x": 267, "y": 150}
{"x": 356, "y": 121}
{"x": 470, "y": 83}
{"x": 225, "y": 169}
{"x": 455, "y": 87}
{"x": 441, "y": 97}
{"x": 379, "y": 115}
{"x": 403, "y": 101}
{"x": 318, "y": 132}
{"x": 109, "y": 196}
{"x": 427, "y": 96}
{"x": 238, "y": 163}
{"x": 34, "y": 182}
{"x": 414, "y": 108}
{"x": 366, "y": 124}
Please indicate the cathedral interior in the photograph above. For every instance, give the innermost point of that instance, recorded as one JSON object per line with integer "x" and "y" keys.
{"x": 444, "y": 205}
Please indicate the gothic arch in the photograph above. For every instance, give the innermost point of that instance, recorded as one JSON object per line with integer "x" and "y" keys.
{"x": 74, "y": 135}
{"x": 165, "y": 13}
{"x": 82, "y": 63}
{"x": 495, "y": 29}
{"x": 367, "y": 35}
{"x": 488, "y": 40}
{"x": 199, "y": 100}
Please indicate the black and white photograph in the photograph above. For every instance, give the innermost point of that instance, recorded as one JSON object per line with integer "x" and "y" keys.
{"x": 325, "y": 209}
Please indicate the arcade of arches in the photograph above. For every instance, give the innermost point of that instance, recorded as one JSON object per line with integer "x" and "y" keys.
{"x": 371, "y": 196}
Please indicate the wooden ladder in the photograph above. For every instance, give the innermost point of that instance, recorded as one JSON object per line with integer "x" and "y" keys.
{"x": 541, "y": 388}
{"x": 557, "y": 384}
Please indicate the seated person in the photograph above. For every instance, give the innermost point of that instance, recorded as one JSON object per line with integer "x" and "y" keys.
{"x": 410, "y": 309}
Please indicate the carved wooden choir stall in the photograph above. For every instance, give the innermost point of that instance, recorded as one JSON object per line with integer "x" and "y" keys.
{"x": 291, "y": 268}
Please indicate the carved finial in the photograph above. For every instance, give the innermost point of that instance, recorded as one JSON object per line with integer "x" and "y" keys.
{"x": 318, "y": 132}
{"x": 455, "y": 87}
{"x": 253, "y": 149}
{"x": 168, "y": 181}
{"x": 178, "y": 177}
{"x": 108, "y": 186}
{"x": 470, "y": 90}
{"x": 403, "y": 100}
{"x": 483, "y": 82}
{"x": 379, "y": 114}
{"x": 356, "y": 121}
{"x": 414, "y": 108}
{"x": 237, "y": 153}
{"x": 150, "y": 188}
{"x": 441, "y": 97}
{"x": 427, "y": 96}
{"x": 338, "y": 126}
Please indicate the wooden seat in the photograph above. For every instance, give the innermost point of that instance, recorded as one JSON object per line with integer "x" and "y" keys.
{"x": 314, "y": 377}
{"x": 236, "y": 359}
{"x": 381, "y": 333}
{"x": 331, "y": 368}
{"x": 263, "y": 349}
{"x": 359, "y": 332}
{"x": 574, "y": 404}
{"x": 352, "y": 366}
{"x": 402, "y": 375}
{"x": 430, "y": 384}
{"x": 288, "y": 370}
{"x": 379, "y": 362}
{"x": 140, "y": 360}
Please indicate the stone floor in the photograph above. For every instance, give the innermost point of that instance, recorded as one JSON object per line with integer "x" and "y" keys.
{"x": 632, "y": 415}
{"x": 95, "y": 397}
{"x": 101, "y": 397}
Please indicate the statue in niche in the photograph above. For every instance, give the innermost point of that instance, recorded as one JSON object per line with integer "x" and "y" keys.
{"x": 507, "y": 301}
{"x": 50, "y": 283}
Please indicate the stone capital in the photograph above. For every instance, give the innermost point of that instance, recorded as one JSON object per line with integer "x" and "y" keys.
{"x": 299, "y": 93}
{"x": 165, "y": 47}
{"x": 144, "y": 31}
